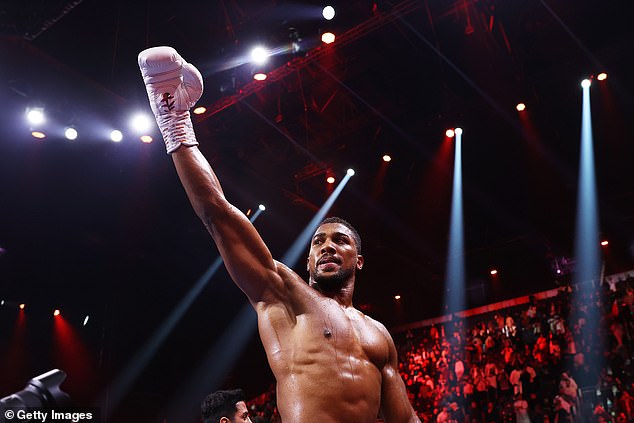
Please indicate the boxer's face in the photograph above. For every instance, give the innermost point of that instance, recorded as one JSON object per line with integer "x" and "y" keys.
{"x": 333, "y": 257}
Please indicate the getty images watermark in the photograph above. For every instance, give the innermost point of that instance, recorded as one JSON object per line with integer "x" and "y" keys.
{"x": 65, "y": 415}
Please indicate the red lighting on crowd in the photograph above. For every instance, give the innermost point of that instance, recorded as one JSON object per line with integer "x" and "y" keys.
{"x": 520, "y": 107}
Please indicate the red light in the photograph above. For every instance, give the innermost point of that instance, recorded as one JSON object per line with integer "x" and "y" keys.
{"x": 330, "y": 180}
{"x": 520, "y": 107}
{"x": 604, "y": 243}
{"x": 56, "y": 312}
{"x": 328, "y": 38}
{"x": 450, "y": 133}
{"x": 22, "y": 306}
{"x": 494, "y": 272}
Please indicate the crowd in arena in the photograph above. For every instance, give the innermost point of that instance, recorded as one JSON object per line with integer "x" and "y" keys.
{"x": 542, "y": 361}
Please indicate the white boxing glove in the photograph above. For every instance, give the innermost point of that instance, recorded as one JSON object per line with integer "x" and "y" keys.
{"x": 173, "y": 87}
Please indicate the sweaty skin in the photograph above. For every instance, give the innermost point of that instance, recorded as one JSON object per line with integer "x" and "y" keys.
{"x": 331, "y": 362}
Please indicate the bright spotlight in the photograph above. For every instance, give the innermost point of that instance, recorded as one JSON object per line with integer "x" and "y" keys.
{"x": 86, "y": 320}
{"x": 38, "y": 134}
{"x": 458, "y": 131}
{"x": 602, "y": 76}
{"x": 520, "y": 107}
{"x": 330, "y": 180}
{"x": 200, "y": 110}
{"x": 585, "y": 83}
{"x": 493, "y": 272}
{"x": 141, "y": 123}
{"x": 259, "y": 55}
{"x": 56, "y": 312}
{"x": 350, "y": 172}
{"x": 387, "y": 158}
{"x": 35, "y": 116}
{"x": 328, "y": 38}
{"x": 449, "y": 133}
{"x": 259, "y": 76}
{"x": 261, "y": 207}
{"x": 146, "y": 139}
{"x": 22, "y": 306}
{"x": 397, "y": 297}
{"x": 328, "y": 13}
{"x": 604, "y": 243}
{"x": 116, "y": 135}
{"x": 70, "y": 133}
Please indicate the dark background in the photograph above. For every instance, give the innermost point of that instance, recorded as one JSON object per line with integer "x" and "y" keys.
{"x": 103, "y": 229}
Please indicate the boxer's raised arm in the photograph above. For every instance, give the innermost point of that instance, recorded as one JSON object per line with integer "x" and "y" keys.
{"x": 173, "y": 87}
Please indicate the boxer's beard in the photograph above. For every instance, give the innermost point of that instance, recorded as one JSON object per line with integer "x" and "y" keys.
{"x": 332, "y": 282}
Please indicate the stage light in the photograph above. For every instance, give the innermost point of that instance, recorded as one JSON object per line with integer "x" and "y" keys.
{"x": 86, "y": 320}
{"x": 70, "y": 133}
{"x": 22, "y": 306}
{"x": 328, "y": 13}
{"x": 259, "y": 55}
{"x": 387, "y": 158}
{"x": 259, "y": 76}
{"x": 200, "y": 110}
{"x": 1, "y": 302}
{"x": 38, "y": 134}
{"x": 604, "y": 243}
{"x": 261, "y": 207}
{"x": 493, "y": 272}
{"x": 35, "y": 116}
{"x": 56, "y": 312}
{"x": 602, "y": 76}
{"x": 585, "y": 83}
{"x": 116, "y": 135}
{"x": 140, "y": 123}
{"x": 328, "y": 38}
{"x": 449, "y": 133}
{"x": 330, "y": 180}
{"x": 350, "y": 172}
{"x": 146, "y": 139}
{"x": 458, "y": 131}
{"x": 520, "y": 107}
{"x": 397, "y": 297}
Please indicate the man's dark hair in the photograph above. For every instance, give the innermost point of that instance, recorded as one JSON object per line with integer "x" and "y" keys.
{"x": 355, "y": 234}
{"x": 220, "y": 404}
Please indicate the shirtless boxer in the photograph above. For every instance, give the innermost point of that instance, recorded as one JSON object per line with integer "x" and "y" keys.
{"x": 332, "y": 363}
